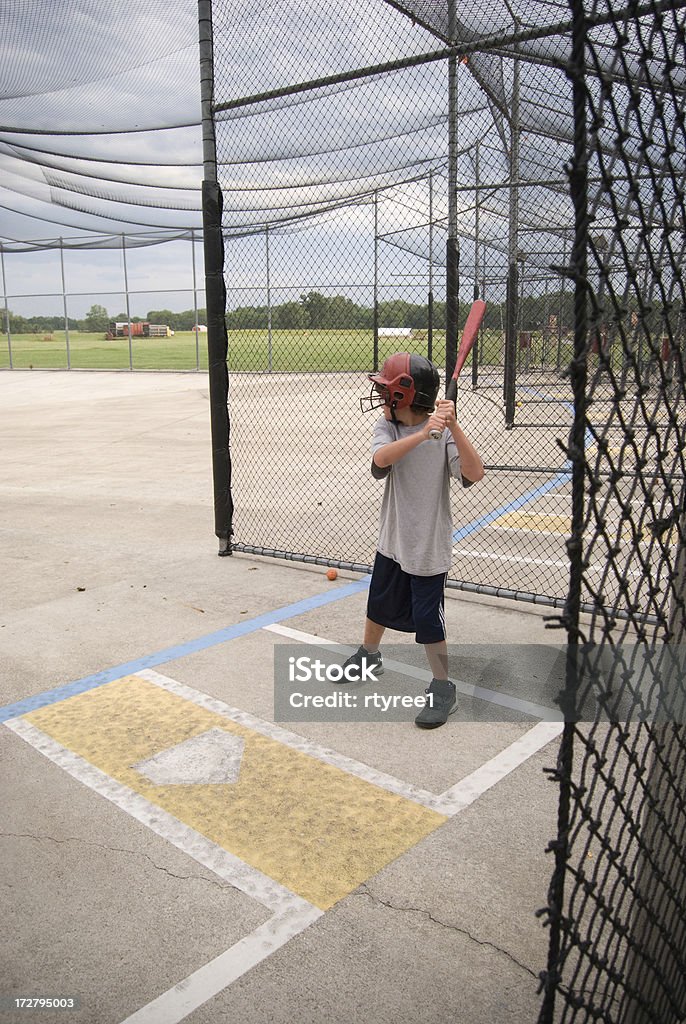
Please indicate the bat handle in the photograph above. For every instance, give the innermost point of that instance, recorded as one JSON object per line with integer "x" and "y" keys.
{"x": 435, "y": 435}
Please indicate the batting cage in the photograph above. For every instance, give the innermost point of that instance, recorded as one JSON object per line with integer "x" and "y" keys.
{"x": 370, "y": 170}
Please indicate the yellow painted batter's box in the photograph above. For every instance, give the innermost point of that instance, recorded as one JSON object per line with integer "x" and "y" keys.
{"x": 311, "y": 826}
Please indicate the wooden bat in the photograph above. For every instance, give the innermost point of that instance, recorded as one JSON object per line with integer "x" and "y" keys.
{"x": 469, "y": 336}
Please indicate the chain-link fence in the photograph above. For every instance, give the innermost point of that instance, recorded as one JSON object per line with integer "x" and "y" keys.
{"x": 101, "y": 302}
{"x": 350, "y": 160}
{"x": 382, "y": 163}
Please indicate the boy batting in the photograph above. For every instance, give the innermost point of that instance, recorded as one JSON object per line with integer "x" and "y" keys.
{"x": 417, "y": 447}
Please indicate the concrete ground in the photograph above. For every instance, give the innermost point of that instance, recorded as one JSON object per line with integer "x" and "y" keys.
{"x": 170, "y": 851}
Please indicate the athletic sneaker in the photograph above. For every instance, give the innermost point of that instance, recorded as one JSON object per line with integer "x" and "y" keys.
{"x": 368, "y": 667}
{"x": 442, "y": 701}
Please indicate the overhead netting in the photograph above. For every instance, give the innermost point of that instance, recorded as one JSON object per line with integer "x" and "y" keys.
{"x": 99, "y": 123}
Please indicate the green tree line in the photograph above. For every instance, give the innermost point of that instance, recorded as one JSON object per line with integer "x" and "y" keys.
{"x": 313, "y": 310}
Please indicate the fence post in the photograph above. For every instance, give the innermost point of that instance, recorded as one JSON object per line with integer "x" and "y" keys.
{"x": 269, "y": 301}
{"x": 7, "y": 312}
{"x": 195, "y": 303}
{"x": 477, "y": 200}
{"x": 452, "y": 267}
{"x": 375, "y": 319}
{"x": 578, "y": 182}
{"x": 562, "y": 305}
{"x": 128, "y": 305}
{"x": 64, "y": 303}
{"x": 430, "y": 302}
{"x": 511, "y": 301}
{"x": 215, "y": 290}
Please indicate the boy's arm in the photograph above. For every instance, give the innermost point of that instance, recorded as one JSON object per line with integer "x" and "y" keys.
{"x": 471, "y": 466}
{"x": 390, "y": 453}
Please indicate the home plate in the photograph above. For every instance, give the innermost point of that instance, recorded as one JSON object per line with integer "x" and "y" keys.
{"x": 213, "y": 757}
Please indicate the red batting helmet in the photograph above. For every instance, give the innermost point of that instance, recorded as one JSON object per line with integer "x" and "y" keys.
{"x": 405, "y": 379}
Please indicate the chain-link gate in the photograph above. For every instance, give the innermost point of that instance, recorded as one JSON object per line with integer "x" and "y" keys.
{"x": 381, "y": 163}
{"x": 337, "y": 163}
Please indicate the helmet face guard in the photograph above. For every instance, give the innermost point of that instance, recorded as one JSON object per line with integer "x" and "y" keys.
{"x": 403, "y": 380}
{"x": 376, "y": 399}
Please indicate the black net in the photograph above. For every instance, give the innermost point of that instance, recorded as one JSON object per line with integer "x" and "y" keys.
{"x": 618, "y": 896}
{"x": 360, "y": 148}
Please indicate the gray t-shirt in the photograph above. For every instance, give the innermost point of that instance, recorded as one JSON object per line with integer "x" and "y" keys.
{"x": 416, "y": 527}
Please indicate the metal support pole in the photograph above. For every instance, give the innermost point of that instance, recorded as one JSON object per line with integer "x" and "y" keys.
{"x": 269, "y": 302}
{"x": 215, "y": 290}
{"x": 7, "y": 311}
{"x": 375, "y": 314}
{"x": 521, "y": 322}
{"x": 546, "y": 327}
{"x": 430, "y": 305}
{"x": 195, "y": 303}
{"x": 561, "y": 310}
{"x": 64, "y": 304}
{"x": 512, "y": 273}
{"x": 128, "y": 305}
{"x": 452, "y": 269}
{"x": 477, "y": 195}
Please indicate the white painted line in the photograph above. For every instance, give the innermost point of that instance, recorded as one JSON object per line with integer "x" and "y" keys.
{"x": 307, "y": 638}
{"x": 487, "y": 775}
{"x": 520, "y": 560}
{"x": 175, "y": 1004}
{"x": 468, "y": 689}
{"x": 538, "y": 530}
{"x": 295, "y": 742}
{"x": 291, "y": 913}
{"x": 469, "y": 789}
{"x": 231, "y": 869}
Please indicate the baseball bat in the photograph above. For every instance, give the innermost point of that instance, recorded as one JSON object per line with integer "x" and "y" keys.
{"x": 469, "y": 336}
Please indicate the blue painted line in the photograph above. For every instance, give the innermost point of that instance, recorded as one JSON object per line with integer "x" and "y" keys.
{"x": 562, "y": 478}
{"x": 42, "y": 700}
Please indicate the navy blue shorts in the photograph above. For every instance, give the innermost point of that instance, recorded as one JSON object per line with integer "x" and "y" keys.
{"x": 410, "y": 604}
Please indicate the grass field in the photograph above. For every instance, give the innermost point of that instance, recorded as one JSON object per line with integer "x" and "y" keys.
{"x": 249, "y": 350}
{"x": 303, "y": 350}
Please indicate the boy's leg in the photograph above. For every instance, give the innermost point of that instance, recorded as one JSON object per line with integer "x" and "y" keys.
{"x": 427, "y": 604}
{"x": 373, "y": 633}
{"x": 441, "y": 700}
{"x": 367, "y": 657}
{"x": 437, "y": 656}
